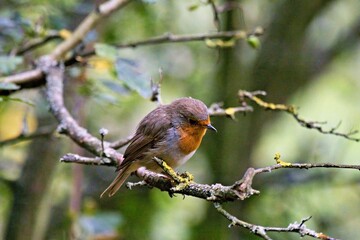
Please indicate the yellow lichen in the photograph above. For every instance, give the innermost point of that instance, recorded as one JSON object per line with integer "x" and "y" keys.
{"x": 281, "y": 162}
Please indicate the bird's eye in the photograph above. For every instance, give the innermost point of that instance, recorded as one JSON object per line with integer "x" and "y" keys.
{"x": 192, "y": 121}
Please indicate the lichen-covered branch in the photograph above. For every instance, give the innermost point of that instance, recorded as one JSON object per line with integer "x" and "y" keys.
{"x": 216, "y": 109}
{"x": 262, "y": 231}
{"x": 253, "y": 96}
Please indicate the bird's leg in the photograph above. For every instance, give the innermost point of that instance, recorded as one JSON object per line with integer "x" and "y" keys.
{"x": 182, "y": 180}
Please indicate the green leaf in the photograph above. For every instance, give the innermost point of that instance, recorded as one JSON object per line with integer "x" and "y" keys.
{"x": 106, "y": 51}
{"x": 133, "y": 76}
{"x": 8, "y": 86}
{"x": 254, "y": 42}
{"x": 193, "y": 7}
{"x": 9, "y": 63}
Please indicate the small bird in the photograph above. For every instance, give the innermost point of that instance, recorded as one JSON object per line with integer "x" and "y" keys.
{"x": 170, "y": 132}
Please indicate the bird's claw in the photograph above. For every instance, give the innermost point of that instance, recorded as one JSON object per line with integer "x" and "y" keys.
{"x": 181, "y": 180}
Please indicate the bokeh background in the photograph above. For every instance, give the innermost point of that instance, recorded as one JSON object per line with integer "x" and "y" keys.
{"x": 309, "y": 56}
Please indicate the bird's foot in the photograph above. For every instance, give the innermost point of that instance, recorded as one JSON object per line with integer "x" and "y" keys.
{"x": 181, "y": 180}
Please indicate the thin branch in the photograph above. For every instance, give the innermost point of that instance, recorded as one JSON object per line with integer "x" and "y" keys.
{"x": 27, "y": 78}
{"x": 121, "y": 142}
{"x": 35, "y": 78}
{"x": 86, "y": 25}
{"x": 253, "y": 96}
{"x": 216, "y": 18}
{"x": 261, "y": 231}
{"x": 75, "y": 158}
{"x": 306, "y": 166}
{"x": 240, "y": 190}
{"x": 41, "y": 132}
{"x": 172, "y": 38}
{"x": 156, "y": 89}
{"x": 216, "y": 109}
{"x": 38, "y": 42}
{"x": 67, "y": 124}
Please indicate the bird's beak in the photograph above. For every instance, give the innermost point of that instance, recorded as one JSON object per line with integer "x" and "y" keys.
{"x": 209, "y": 126}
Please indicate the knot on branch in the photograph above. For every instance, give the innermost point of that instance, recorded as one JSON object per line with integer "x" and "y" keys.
{"x": 242, "y": 188}
{"x": 46, "y": 63}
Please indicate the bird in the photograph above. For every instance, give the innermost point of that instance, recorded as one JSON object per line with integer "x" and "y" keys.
{"x": 171, "y": 132}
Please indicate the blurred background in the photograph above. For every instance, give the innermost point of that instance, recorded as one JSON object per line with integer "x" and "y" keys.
{"x": 309, "y": 56}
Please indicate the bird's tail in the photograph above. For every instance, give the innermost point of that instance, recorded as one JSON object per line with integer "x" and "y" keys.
{"x": 117, "y": 183}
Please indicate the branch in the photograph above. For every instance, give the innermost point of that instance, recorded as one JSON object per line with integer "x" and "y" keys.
{"x": 67, "y": 124}
{"x": 75, "y": 158}
{"x": 121, "y": 143}
{"x": 171, "y": 38}
{"x": 253, "y": 96}
{"x": 27, "y": 78}
{"x": 240, "y": 190}
{"x": 216, "y": 109}
{"x": 35, "y": 78}
{"x": 86, "y": 25}
{"x": 38, "y": 42}
{"x": 41, "y": 132}
{"x": 261, "y": 231}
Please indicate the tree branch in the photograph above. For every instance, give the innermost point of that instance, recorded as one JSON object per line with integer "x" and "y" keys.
{"x": 41, "y": 132}
{"x": 35, "y": 43}
{"x": 67, "y": 124}
{"x": 253, "y": 96}
{"x": 35, "y": 78}
{"x": 261, "y": 231}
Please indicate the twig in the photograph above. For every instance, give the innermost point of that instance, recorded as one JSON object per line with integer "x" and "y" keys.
{"x": 306, "y": 166}
{"x": 41, "y": 132}
{"x": 261, "y": 231}
{"x": 216, "y": 18}
{"x": 75, "y": 158}
{"x": 172, "y": 38}
{"x": 216, "y": 109}
{"x": 156, "y": 89}
{"x": 121, "y": 143}
{"x": 35, "y": 78}
{"x": 253, "y": 96}
{"x": 38, "y": 42}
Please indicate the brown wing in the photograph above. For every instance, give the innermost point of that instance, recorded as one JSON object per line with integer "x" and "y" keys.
{"x": 151, "y": 130}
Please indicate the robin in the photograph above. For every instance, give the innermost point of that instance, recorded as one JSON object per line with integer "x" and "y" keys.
{"x": 170, "y": 132}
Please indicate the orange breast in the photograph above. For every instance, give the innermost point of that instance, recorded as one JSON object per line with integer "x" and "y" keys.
{"x": 190, "y": 138}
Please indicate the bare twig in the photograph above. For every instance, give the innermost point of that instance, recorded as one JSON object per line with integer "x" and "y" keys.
{"x": 35, "y": 78}
{"x": 216, "y": 109}
{"x": 172, "y": 38}
{"x": 216, "y": 18}
{"x": 41, "y": 132}
{"x": 156, "y": 89}
{"x": 121, "y": 143}
{"x": 253, "y": 96}
{"x": 75, "y": 158}
{"x": 38, "y": 42}
{"x": 261, "y": 231}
